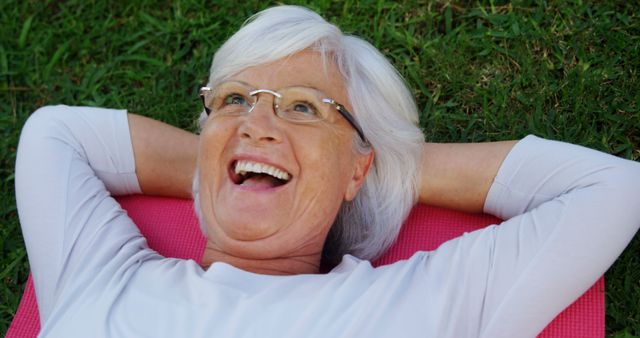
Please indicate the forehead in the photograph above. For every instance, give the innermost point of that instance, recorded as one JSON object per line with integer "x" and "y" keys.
{"x": 305, "y": 68}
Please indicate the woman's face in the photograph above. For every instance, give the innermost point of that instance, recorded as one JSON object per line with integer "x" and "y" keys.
{"x": 256, "y": 216}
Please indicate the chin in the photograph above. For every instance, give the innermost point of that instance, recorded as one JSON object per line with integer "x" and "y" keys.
{"x": 247, "y": 230}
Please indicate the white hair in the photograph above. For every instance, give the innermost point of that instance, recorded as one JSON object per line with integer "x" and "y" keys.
{"x": 382, "y": 104}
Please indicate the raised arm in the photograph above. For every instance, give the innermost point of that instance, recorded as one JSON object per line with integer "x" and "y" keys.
{"x": 458, "y": 175}
{"x": 165, "y": 157}
{"x": 70, "y": 161}
{"x": 569, "y": 211}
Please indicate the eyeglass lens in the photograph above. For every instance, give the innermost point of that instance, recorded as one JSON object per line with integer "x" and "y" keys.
{"x": 294, "y": 103}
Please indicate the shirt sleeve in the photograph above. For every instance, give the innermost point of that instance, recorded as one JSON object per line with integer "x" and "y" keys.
{"x": 569, "y": 211}
{"x": 69, "y": 162}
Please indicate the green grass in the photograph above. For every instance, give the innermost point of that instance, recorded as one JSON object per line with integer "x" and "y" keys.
{"x": 479, "y": 71}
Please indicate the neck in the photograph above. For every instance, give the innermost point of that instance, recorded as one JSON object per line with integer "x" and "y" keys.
{"x": 292, "y": 264}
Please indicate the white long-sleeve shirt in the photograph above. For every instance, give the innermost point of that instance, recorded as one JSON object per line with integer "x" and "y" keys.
{"x": 569, "y": 213}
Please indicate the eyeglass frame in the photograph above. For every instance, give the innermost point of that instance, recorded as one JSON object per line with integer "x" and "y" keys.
{"x": 339, "y": 107}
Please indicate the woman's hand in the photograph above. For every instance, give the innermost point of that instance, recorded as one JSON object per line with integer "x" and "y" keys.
{"x": 165, "y": 157}
{"x": 458, "y": 175}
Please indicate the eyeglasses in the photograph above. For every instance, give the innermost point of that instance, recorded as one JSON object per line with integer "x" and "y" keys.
{"x": 296, "y": 104}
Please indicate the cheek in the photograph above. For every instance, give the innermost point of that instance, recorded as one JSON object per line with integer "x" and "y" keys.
{"x": 206, "y": 158}
{"x": 326, "y": 165}
{"x": 213, "y": 141}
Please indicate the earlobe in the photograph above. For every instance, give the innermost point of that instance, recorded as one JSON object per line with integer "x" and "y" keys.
{"x": 361, "y": 169}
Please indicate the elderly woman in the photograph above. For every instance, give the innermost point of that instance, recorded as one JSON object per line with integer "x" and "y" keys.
{"x": 308, "y": 161}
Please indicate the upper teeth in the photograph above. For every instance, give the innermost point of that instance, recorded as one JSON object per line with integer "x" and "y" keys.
{"x": 242, "y": 167}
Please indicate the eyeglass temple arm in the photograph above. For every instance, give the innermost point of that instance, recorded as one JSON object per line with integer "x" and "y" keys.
{"x": 345, "y": 113}
{"x": 202, "y": 90}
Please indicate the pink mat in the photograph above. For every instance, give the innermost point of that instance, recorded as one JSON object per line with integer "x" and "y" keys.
{"x": 171, "y": 228}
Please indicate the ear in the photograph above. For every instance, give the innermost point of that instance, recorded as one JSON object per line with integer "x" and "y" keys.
{"x": 361, "y": 168}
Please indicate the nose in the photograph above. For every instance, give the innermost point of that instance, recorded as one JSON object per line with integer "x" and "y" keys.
{"x": 261, "y": 125}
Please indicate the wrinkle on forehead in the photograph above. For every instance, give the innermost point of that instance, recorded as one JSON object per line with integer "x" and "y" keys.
{"x": 326, "y": 60}
{"x": 278, "y": 74}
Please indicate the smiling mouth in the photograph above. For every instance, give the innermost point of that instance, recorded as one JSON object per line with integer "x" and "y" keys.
{"x": 257, "y": 175}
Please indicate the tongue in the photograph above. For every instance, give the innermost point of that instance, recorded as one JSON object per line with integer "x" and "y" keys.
{"x": 260, "y": 181}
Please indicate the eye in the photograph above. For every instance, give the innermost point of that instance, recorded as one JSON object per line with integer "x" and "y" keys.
{"x": 305, "y": 108}
{"x": 235, "y": 99}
